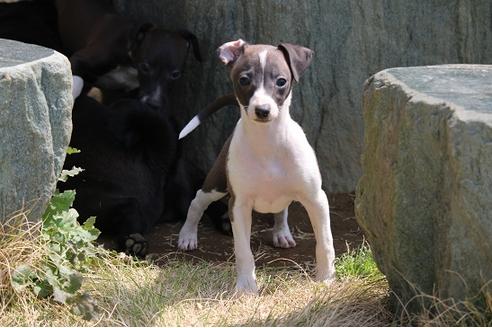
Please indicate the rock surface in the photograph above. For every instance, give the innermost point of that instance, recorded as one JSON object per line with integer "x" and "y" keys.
{"x": 352, "y": 40}
{"x": 35, "y": 125}
{"x": 425, "y": 198}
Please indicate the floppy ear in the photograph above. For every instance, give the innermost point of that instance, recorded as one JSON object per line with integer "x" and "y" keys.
{"x": 229, "y": 52}
{"x": 139, "y": 36}
{"x": 297, "y": 57}
{"x": 193, "y": 41}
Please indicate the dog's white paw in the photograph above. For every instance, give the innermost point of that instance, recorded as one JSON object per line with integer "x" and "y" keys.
{"x": 325, "y": 276}
{"x": 187, "y": 240}
{"x": 283, "y": 239}
{"x": 246, "y": 284}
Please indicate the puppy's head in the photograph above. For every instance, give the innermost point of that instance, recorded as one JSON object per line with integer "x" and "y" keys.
{"x": 263, "y": 75}
{"x": 160, "y": 57}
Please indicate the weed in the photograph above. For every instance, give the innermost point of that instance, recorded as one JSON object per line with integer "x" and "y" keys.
{"x": 358, "y": 263}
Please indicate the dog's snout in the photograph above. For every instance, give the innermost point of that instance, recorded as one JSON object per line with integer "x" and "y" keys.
{"x": 262, "y": 111}
{"x": 155, "y": 103}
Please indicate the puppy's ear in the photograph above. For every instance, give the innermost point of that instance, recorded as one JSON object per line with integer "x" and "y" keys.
{"x": 297, "y": 57}
{"x": 193, "y": 41}
{"x": 229, "y": 52}
{"x": 139, "y": 36}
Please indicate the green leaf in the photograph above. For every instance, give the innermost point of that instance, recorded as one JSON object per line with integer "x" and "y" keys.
{"x": 59, "y": 202}
{"x": 89, "y": 227}
{"x": 42, "y": 289}
{"x": 84, "y": 306}
{"x": 60, "y": 295}
{"x": 75, "y": 283}
{"x": 22, "y": 277}
{"x": 72, "y": 150}
{"x": 65, "y": 174}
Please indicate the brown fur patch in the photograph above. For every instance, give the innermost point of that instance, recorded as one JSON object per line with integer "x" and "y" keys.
{"x": 217, "y": 177}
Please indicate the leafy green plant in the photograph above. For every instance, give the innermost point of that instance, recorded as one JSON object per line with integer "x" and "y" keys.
{"x": 70, "y": 252}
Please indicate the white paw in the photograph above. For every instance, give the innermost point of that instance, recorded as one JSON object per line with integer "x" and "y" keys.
{"x": 283, "y": 239}
{"x": 246, "y": 284}
{"x": 326, "y": 276}
{"x": 188, "y": 240}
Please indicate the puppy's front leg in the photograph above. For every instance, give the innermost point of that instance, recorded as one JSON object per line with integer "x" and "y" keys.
{"x": 318, "y": 210}
{"x": 240, "y": 215}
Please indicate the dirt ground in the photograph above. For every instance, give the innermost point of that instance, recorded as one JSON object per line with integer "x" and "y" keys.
{"x": 217, "y": 247}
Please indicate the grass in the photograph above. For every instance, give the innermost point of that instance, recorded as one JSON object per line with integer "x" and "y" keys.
{"x": 127, "y": 292}
{"x": 186, "y": 294}
{"x": 358, "y": 263}
{"x": 474, "y": 312}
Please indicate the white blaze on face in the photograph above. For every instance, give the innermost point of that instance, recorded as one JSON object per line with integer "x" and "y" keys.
{"x": 156, "y": 94}
{"x": 261, "y": 96}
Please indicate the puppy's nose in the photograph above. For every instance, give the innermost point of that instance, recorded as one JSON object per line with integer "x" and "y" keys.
{"x": 262, "y": 111}
{"x": 151, "y": 101}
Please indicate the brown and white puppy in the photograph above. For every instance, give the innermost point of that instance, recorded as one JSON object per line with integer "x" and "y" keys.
{"x": 267, "y": 163}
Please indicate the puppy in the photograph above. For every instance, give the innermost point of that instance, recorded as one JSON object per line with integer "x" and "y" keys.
{"x": 98, "y": 41}
{"x": 129, "y": 153}
{"x": 267, "y": 162}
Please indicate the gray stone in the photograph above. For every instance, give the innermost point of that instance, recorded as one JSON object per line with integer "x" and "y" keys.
{"x": 425, "y": 197}
{"x": 35, "y": 125}
{"x": 353, "y": 39}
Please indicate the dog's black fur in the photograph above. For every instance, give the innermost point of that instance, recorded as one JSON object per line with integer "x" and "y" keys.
{"x": 134, "y": 172}
{"x": 127, "y": 152}
{"x": 98, "y": 40}
{"x": 30, "y": 22}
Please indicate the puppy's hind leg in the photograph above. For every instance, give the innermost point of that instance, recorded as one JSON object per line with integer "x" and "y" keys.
{"x": 281, "y": 234}
{"x": 188, "y": 239}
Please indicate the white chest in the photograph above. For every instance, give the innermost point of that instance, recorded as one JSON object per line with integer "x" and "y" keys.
{"x": 270, "y": 179}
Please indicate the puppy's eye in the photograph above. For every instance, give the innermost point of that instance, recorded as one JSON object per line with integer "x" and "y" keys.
{"x": 144, "y": 68}
{"x": 281, "y": 82}
{"x": 175, "y": 75}
{"x": 244, "y": 81}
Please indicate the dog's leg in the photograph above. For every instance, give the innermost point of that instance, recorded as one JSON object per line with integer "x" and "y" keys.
{"x": 188, "y": 234}
{"x": 240, "y": 216}
{"x": 281, "y": 234}
{"x": 319, "y": 214}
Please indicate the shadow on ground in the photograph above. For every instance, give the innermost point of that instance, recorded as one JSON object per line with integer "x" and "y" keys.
{"x": 217, "y": 247}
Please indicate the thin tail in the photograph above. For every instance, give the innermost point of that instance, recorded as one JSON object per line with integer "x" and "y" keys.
{"x": 219, "y": 103}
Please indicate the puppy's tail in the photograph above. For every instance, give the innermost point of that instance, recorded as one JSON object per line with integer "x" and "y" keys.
{"x": 219, "y": 103}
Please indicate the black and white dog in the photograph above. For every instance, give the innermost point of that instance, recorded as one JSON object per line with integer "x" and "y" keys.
{"x": 267, "y": 162}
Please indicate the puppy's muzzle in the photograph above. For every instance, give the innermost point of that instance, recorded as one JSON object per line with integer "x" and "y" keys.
{"x": 262, "y": 112}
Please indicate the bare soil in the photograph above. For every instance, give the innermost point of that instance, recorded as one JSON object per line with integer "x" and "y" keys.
{"x": 215, "y": 246}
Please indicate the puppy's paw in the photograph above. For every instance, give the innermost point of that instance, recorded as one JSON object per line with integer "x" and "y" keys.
{"x": 325, "y": 276}
{"x": 188, "y": 240}
{"x": 283, "y": 239}
{"x": 136, "y": 244}
{"x": 246, "y": 285}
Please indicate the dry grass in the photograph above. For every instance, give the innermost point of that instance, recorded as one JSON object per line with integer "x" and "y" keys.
{"x": 19, "y": 243}
{"x": 186, "y": 294}
{"x": 135, "y": 293}
{"x": 129, "y": 292}
{"x": 436, "y": 312}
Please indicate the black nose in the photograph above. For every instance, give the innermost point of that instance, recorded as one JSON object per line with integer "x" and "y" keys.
{"x": 156, "y": 103}
{"x": 262, "y": 111}
{"x": 151, "y": 101}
